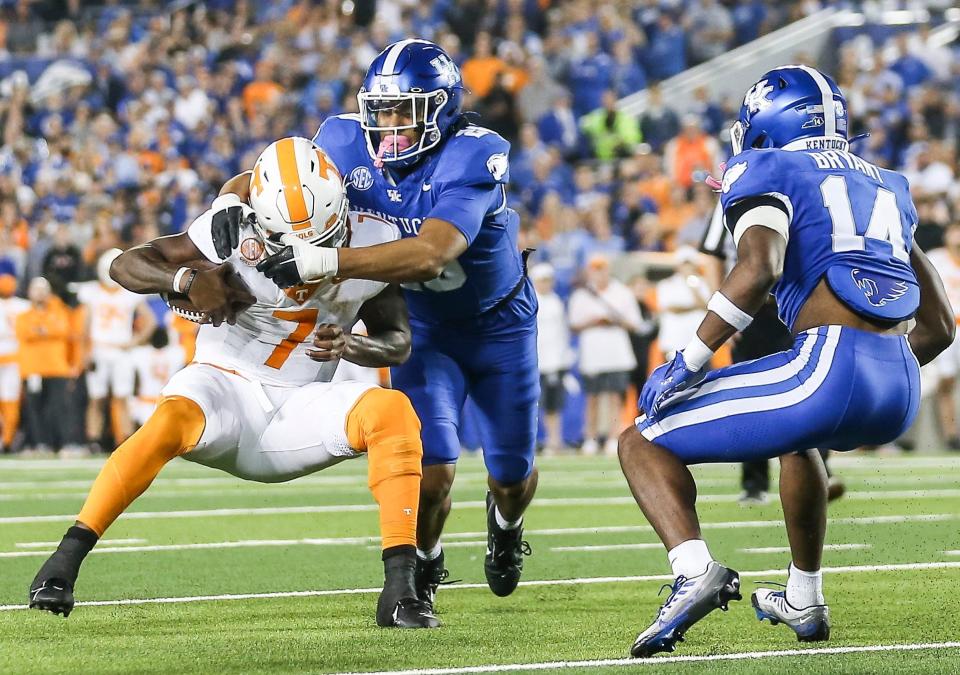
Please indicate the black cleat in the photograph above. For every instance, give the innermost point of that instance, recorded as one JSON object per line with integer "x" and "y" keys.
{"x": 428, "y": 576}
{"x": 503, "y": 563}
{"x": 406, "y": 613}
{"x": 53, "y": 595}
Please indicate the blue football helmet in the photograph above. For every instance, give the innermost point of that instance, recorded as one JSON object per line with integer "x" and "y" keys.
{"x": 420, "y": 79}
{"x": 788, "y": 104}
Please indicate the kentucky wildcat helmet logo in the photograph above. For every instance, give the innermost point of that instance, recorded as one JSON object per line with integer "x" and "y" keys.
{"x": 876, "y": 296}
{"x": 758, "y": 98}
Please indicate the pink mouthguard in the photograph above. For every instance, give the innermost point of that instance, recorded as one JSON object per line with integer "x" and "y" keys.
{"x": 713, "y": 183}
{"x": 395, "y": 144}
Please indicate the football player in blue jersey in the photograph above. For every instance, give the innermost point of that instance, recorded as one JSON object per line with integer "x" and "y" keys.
{"x": 832, "y": 237}
{"x": 413, "y": 159}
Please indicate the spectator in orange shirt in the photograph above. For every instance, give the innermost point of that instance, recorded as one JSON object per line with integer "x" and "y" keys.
{"x": 263, "y": 93}
{"x": 43, "y": 332}
{"x": 480, "y": 70}
{"x": 693, "y": 150}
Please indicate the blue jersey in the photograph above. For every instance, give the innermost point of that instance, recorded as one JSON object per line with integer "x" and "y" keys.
{"x": 463, "y": 183}
{"x": 849, "y": 222}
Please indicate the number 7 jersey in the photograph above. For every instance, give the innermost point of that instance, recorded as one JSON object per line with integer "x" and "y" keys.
{"x": 267, "y": 342}
{"x": 849, "y": 222}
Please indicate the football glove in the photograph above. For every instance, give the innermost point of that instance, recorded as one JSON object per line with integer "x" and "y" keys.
{"x": 227, "y": 221}
{"x": 665, "y": 382}
{"x": 299, "y": 262}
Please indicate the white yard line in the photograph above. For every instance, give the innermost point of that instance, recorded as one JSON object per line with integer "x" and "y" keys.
{"x": 653, "y": 662}
{"x": 609, "y": 547}
{"x": 786, "y": 549}
{"x": 470, "y": 539}
{"x": 581, "y": 581}
{"x": 952, "y": 552}
{"x": 54, "y": 544}
{"x": 355, "y": 508}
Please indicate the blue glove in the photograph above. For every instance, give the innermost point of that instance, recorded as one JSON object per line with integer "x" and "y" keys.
{"x": 666, "y": 381}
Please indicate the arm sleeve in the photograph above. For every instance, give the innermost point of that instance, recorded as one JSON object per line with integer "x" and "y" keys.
{"x": 465, "y": 206}
{"x": 764, "y": 211}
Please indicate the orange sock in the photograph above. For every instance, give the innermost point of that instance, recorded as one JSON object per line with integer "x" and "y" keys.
{"x": 383, "y": 423}
{"x": 10, "y": 411}
{"x": 173, "y": 429}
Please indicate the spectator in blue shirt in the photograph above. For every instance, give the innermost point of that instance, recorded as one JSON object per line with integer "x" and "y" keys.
{"x": 590, "y": 77}
{"x": 666, "y": 54}
{"x": 628, "y": 75}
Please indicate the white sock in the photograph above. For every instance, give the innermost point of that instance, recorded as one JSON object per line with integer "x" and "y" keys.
{"x": 690, "y": 558}
{"x": 432, "y": 554}
{"x": 505, "y": 524}
{"x": 804, "y": 588}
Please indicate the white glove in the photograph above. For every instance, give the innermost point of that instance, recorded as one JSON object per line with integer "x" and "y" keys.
{"x": 299, "y": 262}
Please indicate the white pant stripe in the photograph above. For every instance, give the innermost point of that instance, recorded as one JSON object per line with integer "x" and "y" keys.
{"x": 774, "y": 376}
{"x": 751, "y": 404}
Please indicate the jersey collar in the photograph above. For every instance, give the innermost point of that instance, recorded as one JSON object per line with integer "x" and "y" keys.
{"x": 819, "y": 143}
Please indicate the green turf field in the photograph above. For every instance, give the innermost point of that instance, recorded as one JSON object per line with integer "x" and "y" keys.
{"x": 294, "y": 570}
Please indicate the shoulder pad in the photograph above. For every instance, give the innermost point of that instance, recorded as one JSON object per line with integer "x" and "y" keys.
{"x": 752, "y": 173}
{"x": 474, "y": 156}
{"x": 338, "y": 130}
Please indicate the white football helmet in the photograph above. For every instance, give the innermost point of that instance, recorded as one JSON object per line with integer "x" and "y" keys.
{"x": 296, "y": 188}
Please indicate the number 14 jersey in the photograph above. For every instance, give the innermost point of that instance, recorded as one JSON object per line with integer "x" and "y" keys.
{"x": 849, "y": 222}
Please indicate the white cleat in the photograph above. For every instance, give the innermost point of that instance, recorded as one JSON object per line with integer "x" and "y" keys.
{"x": 811, "y": 624}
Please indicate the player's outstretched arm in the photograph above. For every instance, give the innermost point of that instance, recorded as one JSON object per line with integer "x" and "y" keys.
{"x": 419, "y": 258}
{"x": 387, "y": 342}
{"x": 155, "y": 267}
{"x": 936, "y": 326}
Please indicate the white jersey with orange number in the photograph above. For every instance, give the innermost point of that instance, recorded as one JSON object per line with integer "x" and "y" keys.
{"x": 111, "y": 313}
{"x": 949, "y": 269}
{"x": 10, "y": 309}
{"x": 154, "y": 369}
{"x": 267, "y": 342}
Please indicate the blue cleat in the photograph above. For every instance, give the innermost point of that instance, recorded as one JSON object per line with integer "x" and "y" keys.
{"x": 811, "y": 624}
{"x": 690, "y": 600}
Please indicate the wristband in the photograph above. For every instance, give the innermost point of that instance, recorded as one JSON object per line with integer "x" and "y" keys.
{"x": 696, "y": 354}
{"x": 722, "y": 306}
{"x": 178, "y": 277}
{"x": 189, "y": 284}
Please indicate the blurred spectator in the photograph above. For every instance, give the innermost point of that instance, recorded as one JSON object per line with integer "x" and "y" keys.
{"x": 666, "y": 54}
{"x": 63, "y": 264}
{"x": 553, "y": 353}
{"x": 603, "y": 312}
{"x": 658, "y": 123}
{"x": 43, "y": 333}
{"x": 690, "y": 152}
{"x": 642, "y": 340}
{"x": 946, "y": 366}
{"x": 481, "y": 69}
{"x": 590, "y": 76}
{"x": 537, "y": 99}
{"x": 710, "y": 29}
{"x": 682, "y": 303}
{"x": 611, "y": 132}
{"x": 559, "y": 128}
{"x": 628, "y": 76}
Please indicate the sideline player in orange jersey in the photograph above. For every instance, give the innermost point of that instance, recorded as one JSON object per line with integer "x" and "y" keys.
{"x": 257, "y": 401}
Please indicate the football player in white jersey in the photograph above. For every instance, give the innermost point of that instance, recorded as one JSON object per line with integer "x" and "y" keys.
{"x": 117, "y": 321}
{"x": 10, "y": 308}
{"x": 154, "y": 363}
{"x": 257, "y": 401}
{"x": 946, "y": 261}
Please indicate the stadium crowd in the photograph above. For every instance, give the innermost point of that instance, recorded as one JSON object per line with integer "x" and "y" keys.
{"x": 121, "y": 120}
